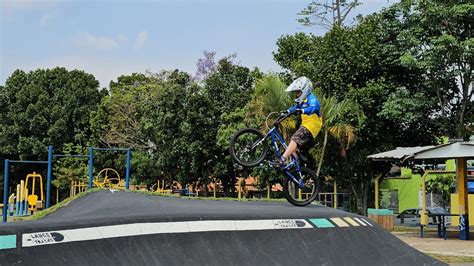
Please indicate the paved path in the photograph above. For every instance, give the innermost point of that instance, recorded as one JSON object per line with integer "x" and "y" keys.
{"x": 432, "y": 244}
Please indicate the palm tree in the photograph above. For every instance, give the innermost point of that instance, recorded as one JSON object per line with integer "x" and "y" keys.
{"x": 270, "y": 96}
{"x": 333, "y": 113}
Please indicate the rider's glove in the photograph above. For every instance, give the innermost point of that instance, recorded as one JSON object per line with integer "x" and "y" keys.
{"x": 292, "y": 109}
{"x": 285, "y": 113}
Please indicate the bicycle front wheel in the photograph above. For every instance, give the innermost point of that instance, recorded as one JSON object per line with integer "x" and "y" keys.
{"x": 301, "y": 196}
{"x": 248, "y": 147}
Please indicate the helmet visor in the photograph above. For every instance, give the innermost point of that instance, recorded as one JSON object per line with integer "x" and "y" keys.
{"x": 295, "y": 94}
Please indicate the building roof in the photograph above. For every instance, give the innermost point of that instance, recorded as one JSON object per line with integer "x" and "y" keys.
{"x": 443, "y": 151}
{"x": 399, "y": 154}
{"x": 448, "y": 151}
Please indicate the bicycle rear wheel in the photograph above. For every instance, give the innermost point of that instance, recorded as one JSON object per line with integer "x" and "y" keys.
{"x": 247, "y": 147}
{"x": 305, "y": 195}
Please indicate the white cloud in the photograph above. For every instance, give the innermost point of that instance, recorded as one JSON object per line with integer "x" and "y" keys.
{"x": 122, "y": 37}
{"x": 140, "y": 40}
{"x": 45, "y": 19}
{"x": 99, "y": 42}
{"x": 15, "y": 10}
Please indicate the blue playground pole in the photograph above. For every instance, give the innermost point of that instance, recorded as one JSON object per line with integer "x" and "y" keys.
{"x": 5, "y": 192}
{"x": 11, "y": 207}
{"x": 17, "y": 209}
{"x": 50, "y": 174}
{"x": 91, "y": 166}
{"x": 25, "y": 208}
{"x": 127, "y": 171}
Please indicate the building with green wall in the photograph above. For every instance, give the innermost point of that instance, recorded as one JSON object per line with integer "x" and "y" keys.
{"x": 405, "y": 189}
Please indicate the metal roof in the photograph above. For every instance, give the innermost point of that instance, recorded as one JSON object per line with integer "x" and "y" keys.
{"x": 443, "y": 151}
{"x": 399, "y": 154}
{"x": 448, "y": 151}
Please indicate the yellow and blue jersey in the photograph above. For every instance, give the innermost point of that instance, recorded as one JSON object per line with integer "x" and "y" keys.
{"x": 310, "y": 114}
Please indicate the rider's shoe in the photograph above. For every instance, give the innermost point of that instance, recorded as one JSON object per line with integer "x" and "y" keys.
{"x": 279, "y": 162}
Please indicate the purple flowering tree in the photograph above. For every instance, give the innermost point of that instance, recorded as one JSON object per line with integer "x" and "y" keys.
{"x": 205, "y": 65}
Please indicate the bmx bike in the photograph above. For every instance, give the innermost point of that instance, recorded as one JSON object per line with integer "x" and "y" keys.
{"x": 249, "y": 147}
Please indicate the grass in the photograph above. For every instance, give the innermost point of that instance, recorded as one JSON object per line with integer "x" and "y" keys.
{"x": 149, "y": 193}
{"x": 451, "y": 259}
{"x": 412, "y": 229}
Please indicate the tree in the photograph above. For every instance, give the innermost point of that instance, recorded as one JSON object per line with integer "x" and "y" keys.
{"x": 135, "y": 79}
{"x": 122, "y": 117}
{"x": 69, "y": 169}
{"x": 364, "y": 63}
{"x": 327, "y": 13}
{"x": 127, "y": 117}
{"x": 269, "y": 96}
{"x": 442, "y": 185}
{"x": 227, "y": 89}
{"x": 205, "y": 65}
{"x": 46, "y": 107}
{"x": 41, "y": 108}
{"x": 336, "y": 122}
{"x": 437, "y": 39}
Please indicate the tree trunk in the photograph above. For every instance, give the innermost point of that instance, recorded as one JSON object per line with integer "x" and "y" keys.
{"x": 361, "y": 194}
{"x": 465, "y": 83}
{"x": 320, "y": 163}
{"x": 338, "y": 12}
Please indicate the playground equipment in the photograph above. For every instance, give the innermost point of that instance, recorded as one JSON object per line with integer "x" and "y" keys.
{"x": 77, "y": 187}
{"x": 104, "y": 180}
{"x": 127, "y": 162}
{"x": 22, "y": 202}
{"x": 161, "y": 187}
{"x": 25, "y": 201}
{"x": 32, "y": 196}
{"x": 21, "y": 194}
{"x": 49, "y": 177}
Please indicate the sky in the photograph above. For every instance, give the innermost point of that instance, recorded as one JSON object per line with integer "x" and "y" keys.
{"x": 109, "y": 38}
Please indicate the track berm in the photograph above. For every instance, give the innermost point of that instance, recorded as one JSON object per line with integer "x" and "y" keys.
{"x": 126, "y": 228}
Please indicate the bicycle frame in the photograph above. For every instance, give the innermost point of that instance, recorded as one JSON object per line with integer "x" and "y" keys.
{"x": 275, "y": 136}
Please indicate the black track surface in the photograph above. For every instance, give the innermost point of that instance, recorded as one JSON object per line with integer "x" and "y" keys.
{"x": 328, "y": 246}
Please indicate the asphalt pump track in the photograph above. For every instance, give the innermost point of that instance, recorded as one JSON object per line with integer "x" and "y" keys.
{"x": 127, "y": 228}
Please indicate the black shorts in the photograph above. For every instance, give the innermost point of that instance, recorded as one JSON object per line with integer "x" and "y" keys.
{"x": 303, "y": 138}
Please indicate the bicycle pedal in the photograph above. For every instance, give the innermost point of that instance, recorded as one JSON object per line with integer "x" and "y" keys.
{"x": 275, "y": 164}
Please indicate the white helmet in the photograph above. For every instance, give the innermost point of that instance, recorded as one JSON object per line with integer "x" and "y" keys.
{"x": 302, "y": 84}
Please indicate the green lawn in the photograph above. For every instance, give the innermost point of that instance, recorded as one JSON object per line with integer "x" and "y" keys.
{"x": 451, "y": 259}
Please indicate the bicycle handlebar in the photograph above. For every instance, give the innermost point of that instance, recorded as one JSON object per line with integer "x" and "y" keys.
{"x": 282, "y": 117}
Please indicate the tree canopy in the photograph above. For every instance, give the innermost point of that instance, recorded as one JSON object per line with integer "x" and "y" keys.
{"x": 399, "y": 77}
